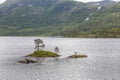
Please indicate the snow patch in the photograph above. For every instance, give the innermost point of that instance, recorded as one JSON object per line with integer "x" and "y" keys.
{"x": 87, "y": 19}
{"x": 99, "y": 8}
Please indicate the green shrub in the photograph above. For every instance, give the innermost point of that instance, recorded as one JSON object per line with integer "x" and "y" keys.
{"x": 77, "y": 56}
{"x": 43, "y": 54}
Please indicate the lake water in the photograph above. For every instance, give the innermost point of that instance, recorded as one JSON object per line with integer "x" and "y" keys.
{"x": 103, "y": 62}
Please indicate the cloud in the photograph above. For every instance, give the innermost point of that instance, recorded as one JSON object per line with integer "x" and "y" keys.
{"x": 94, "y": 0}
{"x": 88, "y": 0}
{"x": 116, "y": 0}
{"x": 1, "y": 1}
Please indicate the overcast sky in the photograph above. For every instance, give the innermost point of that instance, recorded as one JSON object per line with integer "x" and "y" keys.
{"x": 88, "y": 0}
{"x": 93, "y": 0}
{"x": 1, "y": 1}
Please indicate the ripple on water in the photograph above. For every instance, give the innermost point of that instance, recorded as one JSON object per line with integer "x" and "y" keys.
{"x": 102, "y": 62}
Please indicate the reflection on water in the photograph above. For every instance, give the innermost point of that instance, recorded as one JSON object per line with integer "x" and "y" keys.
{"x": 102, "y": 62}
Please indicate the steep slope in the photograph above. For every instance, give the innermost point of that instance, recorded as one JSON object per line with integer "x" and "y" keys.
{"x": 59, "y": 17}
{"x": 103, "y": 23}
{"x": 29, "y": 17}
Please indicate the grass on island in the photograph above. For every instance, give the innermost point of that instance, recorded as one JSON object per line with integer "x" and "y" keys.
{"x": 43, "y": 53}
{"x": 77, "y": 56}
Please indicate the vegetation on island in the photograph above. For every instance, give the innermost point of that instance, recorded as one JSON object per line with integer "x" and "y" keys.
{"x": 77, "y": 56}
{"x": 43, "y": 53}
{"x": 39, "y": 52}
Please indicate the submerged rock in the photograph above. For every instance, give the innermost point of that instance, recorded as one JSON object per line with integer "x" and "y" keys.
{"x": 27, "y": 61}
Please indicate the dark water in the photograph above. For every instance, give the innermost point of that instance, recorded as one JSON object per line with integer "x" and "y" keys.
{"x": 103, "y": 62}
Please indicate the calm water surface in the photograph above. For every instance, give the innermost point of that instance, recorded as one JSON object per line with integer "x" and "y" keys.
{"x": 103, "y": 62}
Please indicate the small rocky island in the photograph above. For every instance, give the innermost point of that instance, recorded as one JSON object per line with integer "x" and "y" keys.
{"x": 77, "y": 56}
{"x": 40, "y": 52}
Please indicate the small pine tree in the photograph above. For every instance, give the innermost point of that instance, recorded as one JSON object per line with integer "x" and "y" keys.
{"x": 39, "y": 44}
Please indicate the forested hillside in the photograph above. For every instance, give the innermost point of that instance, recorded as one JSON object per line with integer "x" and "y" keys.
{"x": 59, "y": 18}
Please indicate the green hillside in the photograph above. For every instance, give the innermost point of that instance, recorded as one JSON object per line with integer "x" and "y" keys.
{"x": 59, "y": 18}
{"x": 104, "y": 23}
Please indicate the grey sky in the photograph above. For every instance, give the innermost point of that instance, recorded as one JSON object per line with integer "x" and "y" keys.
{"x": 1, "y": 1}
{"x": 87, "y": 0}
{"x": 93, "y": 0}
